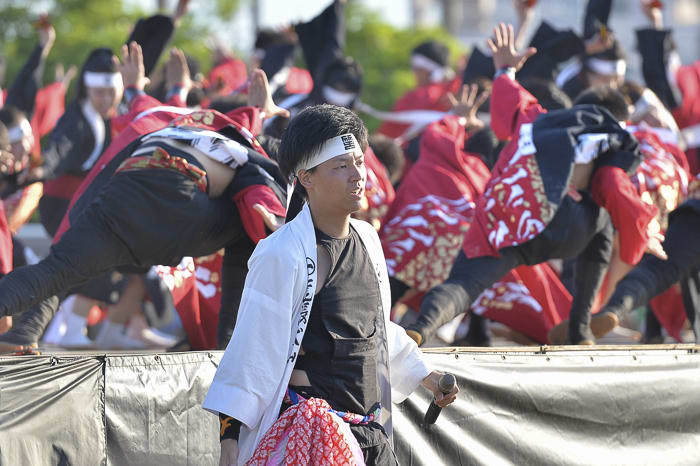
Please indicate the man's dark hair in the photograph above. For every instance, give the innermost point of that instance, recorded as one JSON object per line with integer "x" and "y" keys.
{"x": 389, "y": 154}
{"x": 270, "y": 144}
{"x": 100, "y": 61}
{"x": 631, "y": 90}
{"x": 434, "y": 50}
{"x": 548, "y": 95}
{"x": 195, "y": 97}
{"x": 486, "y": 145}
{"x": 11, "y": 116}
{"x": 344, "y": 74}
{"x": 4, "y": 138}
{"x": 311, "y": 128}
{"x": 606, "y": 97}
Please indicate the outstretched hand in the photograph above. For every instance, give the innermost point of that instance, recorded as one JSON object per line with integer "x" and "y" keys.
{"x": 259, "y": 95}
{"x": 132, "y": 69}
{"x": 654, "y": 246}
{"x": 652, "y": 10}
{"x": 502, "y": 46}
{"x": 599, "y": 43}
{"x": 272, "y": 222}
{"x": 46, "y": 33}
{"x": 177, "y": 73}
{"x": 65, "y": 77}
{"x": 467, "y": 104}
{"x": 180, "y": 11}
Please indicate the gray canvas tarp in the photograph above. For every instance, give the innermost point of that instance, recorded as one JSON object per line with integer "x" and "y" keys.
{"x": 526, "y": 407}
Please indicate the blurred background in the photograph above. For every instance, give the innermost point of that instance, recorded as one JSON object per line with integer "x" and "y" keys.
{"x": 381, "y": 33}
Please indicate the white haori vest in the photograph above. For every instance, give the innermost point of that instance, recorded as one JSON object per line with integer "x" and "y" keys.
{"x": 254, "y": 372}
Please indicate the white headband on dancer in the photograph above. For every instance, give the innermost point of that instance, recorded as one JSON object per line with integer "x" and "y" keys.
{"x": 18, "y": 132}
{"x": 335, "y": 97}
{"x": 437, "y": 71}
{"x": 339, "y": 145}
{"x": 421, "y": 61}
{"x": 93, "y": 79}
{"x": 607, "y": 67}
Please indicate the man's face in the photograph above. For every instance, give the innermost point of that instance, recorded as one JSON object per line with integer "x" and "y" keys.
{"x": 105, "y": 100}
{"x": 610, "y": 80}
{"x": 21, "y": 145}
{"x": 338, "y": 184}
{"x": 422, "y": 76}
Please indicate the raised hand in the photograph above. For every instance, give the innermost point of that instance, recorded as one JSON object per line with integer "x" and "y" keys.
{"x": 467, "y": 104}
{"x": 46, "y": 33}
{"x": 652, "y": 10}
{"x": 272, "y": 222}
{"x": 180, "y": 11}
{"x": 177, "y": 73}
{"x": 259, "y": 95}
{"x": 598, "y": 43}
{"x": 503, "y": 48}
{"x": 131, "y": 68}
{"x": 65, "y": 77}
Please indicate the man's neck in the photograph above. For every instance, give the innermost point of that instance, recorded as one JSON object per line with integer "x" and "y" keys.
{"x": 331, "y": 223}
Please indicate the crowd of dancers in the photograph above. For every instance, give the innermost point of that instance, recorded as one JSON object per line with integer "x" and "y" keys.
{"x": 537, "y": 187}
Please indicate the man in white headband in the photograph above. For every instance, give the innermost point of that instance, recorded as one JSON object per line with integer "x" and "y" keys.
{"x": 434, "y": 80}
{"x": 317, "y": 295}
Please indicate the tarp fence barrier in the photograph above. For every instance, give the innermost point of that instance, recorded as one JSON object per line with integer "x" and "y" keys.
{"x": 601, "y": 406}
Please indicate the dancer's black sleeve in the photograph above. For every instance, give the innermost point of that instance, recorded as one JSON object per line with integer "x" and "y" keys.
{"x": 656, "y": 48}
{"x": 22, "y": 92}
{"x": 597, "y": 13}
{"x": 322, "y": 39}
{"x": 554, "y": 46}
{"x": 152, "y": 34}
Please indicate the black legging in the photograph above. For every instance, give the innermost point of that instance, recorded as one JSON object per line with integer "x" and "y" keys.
{"x": 578, "y": 229}
{"x": 653, "y": 276}
{"x": 140, "y": 218}
{"x": 233, "y": 272}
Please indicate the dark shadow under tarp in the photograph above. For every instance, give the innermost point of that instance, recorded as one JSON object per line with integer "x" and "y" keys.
{"x": 620, "y": 405}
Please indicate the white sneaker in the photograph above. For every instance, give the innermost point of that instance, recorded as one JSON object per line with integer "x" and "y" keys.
{"x": 138, "y": 329}
{"x": 157, "y": 339}
{"x": 113, "y": 337}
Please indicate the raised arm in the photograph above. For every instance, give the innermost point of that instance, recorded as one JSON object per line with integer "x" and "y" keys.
{"x": 322, "y": 39}
{"x": 660, "y": 60}
{"x": 597, "y": 15}
{"x": 22, "y": 93}
{"x": 154, "y": 33}
{"x": 511, "y": 105}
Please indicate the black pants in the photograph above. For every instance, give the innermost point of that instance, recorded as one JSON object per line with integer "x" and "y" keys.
{"x": 51, "y": 212}
{"x": 653, "y": 276}
{"x": 19, "y": 258}
{"x": 233, "y": 272}
{"x": 578, "y": 229}
{"x": 140, "y": 218}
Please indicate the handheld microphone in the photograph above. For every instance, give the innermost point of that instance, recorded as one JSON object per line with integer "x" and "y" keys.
{"x": 446, "y": 384}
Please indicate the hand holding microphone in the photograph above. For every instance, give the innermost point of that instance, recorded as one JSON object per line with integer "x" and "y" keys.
{"x": 444, "y": 387}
